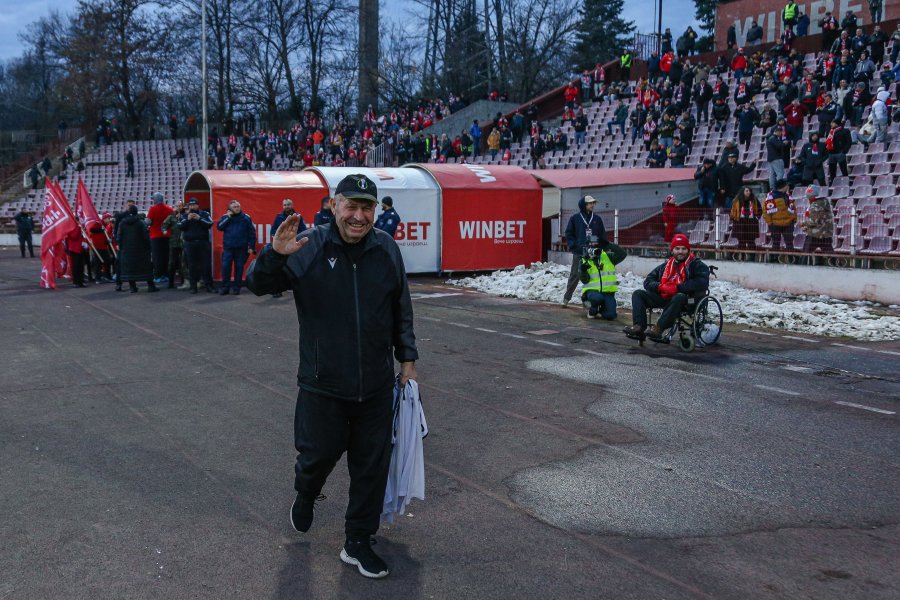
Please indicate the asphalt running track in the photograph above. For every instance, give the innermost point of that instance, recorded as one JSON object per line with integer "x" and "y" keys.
{"x": 146, "y": 453}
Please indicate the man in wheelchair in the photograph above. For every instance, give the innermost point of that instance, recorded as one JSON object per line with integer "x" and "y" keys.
{"x": 668, "y": 286}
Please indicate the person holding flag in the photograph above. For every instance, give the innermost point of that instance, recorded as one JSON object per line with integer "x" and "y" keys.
{"x": 92, "y": 230}
{"x": 56, "y": 224}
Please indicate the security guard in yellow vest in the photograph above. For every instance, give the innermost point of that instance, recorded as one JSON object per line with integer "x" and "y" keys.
{"x": 598, "y": 274}
{"x": 625, "y": 65}
{"x": 789, "y": 14}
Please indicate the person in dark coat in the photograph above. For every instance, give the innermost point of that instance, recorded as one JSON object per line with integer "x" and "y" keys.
{"x": 346, "y": 372}
{"x": 129, "y": 164}
{"x": 238, "y": 243}
{"x": 838, "y": 145}
{"x": 668, "y": 286}
{"x": 813, "y": 156}
{"x": 582, "y": 226}
{"x": 24, "y": 228}
{"x": 731, "y": 178}
{"x": 388, "y": 220}
{"x": 195, "y": 226}
{"x": 133, "y": 240}
{"x": 325, "y": 214}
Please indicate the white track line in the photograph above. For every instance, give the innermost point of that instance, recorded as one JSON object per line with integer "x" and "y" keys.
{"x": 484, "y": 329}
{"x": 758, "y": 332}
{"x": 864, "y": 407}
{"x": 779, "y": 390}
{"x": 514, "y": 335}
{"x": 890, "y": 352}
{"x": 463, "y": 325}
{"x": 589, "y": 352}
{"x": 429, "y": 319}
{"x": 849, "y": 346}
{"x": 807, "y": 340}
{"x": 548, "y": 343}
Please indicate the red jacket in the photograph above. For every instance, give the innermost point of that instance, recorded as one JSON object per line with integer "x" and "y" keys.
{"x": 571, "y": 93}
{"x": 739, "y": 62}
{"x": 665, "y": 63}
{"x": 157, "y": 214}
{"x": 793, "y": 115}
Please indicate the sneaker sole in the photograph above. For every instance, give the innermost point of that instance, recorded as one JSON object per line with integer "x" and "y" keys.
{"x": 352, "y": 561}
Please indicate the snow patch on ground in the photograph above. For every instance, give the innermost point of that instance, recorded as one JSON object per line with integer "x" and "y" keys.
{"x": 817, "y": 315}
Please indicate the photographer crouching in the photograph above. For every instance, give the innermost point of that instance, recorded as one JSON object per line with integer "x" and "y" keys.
{"x": 598, "y": 274}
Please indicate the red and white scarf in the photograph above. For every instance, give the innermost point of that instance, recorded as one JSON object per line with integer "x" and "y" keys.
{"x": 676, "y": 271}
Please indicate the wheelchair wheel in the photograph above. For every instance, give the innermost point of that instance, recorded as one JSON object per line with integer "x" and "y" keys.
{"x": 686, "y": 343}
{"x": 707, "y": 325}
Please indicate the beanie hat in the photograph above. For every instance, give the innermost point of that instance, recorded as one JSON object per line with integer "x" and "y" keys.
{"x": 680, "y": 240}
{"x": 812, "y": 190}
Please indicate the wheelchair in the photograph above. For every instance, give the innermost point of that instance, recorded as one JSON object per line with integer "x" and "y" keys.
{"x": 698, "y": 325}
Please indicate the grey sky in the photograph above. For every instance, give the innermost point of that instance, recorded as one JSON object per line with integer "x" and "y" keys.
{"x": 15, "y": 15}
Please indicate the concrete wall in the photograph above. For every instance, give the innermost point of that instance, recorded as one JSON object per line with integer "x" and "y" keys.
{"x": 880, "y": 286}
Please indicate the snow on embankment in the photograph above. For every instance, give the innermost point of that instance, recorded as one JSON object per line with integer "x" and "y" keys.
{"x": 818, "y": 315}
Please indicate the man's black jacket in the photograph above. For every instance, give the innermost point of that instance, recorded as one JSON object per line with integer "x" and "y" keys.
{"x": 351, "y": 314}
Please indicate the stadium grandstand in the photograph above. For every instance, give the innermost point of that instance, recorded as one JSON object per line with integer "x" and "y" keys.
{"x": 866, "y": 201}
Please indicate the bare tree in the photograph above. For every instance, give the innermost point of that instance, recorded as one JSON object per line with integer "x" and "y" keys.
{"x": 400, "y": 67}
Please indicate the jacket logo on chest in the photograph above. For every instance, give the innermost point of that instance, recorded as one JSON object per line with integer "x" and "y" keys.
{"x": 331, "y": 262}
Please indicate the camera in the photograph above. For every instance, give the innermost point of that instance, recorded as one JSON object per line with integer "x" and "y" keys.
{"x": 195, "y": 210}
{"x": 593, "y": 247}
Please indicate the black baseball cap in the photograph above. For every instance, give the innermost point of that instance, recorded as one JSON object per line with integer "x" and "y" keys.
{"x": 193, "y": 201}
{"x": 358, "y": 187}
{"x": 388, "y": 201}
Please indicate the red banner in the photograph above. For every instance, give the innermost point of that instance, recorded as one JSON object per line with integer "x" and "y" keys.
{"x": 56, "y": 223}
{"x": 84, "y": 206}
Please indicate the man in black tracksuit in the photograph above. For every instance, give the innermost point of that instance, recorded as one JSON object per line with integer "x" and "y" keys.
{"x": 354, "y": 308}
{"x": 195, "y": 225}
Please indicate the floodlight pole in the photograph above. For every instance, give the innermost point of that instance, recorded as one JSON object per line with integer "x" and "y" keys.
{"x": 205, "y": 130}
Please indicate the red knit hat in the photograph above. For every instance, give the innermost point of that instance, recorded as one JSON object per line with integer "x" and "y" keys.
{"x": 680, "y": 240}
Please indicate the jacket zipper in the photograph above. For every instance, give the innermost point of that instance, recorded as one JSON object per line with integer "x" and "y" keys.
{"x": 358, "y": 333}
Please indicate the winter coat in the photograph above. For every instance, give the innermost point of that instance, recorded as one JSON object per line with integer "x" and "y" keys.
{"x": 195, "y": 230}
{"x": 170, "y": 227}
{"x": 813, "y": 155}
{"x": 345, "y": 340}
{"x": 731, "y": 177}
{"x": 576, "y": 229}
{"x": 387, "y": 221}
{"x": 133, "y": 240}
{"x": 238, "y": 230}
{"x": 323, "y": 216}
{"x": 776, "y": 148}
{"x": 24, "y": 223}
{"x": 819, "y": 219}
{"x": 279, "y": 219}
{"x": 696, "y": 282}
{"x": 778, "y": 210}
{"x": 707, "y": 180}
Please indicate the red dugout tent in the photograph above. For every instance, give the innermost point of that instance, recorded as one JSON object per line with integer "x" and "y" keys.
{"x": 490, "y": 216}
{"x": 260, "y": 194}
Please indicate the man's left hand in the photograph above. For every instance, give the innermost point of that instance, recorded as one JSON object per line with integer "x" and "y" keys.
{"x": 407, "y": 372}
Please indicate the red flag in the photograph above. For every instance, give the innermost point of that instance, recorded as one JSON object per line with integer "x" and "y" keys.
{"x": 56, "y": 223}
{"x": 84, "y": 206}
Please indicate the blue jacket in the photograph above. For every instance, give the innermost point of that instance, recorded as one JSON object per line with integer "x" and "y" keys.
{"x": 323, "y": 216}
{"x": 240, "y": 232}
{"x": 576, "y": 230}
{"x": 195, "y": 230}
{"x": 475, "y": 131}
{"x": 388, "y": 221}
{"x": 279, "y": 219}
